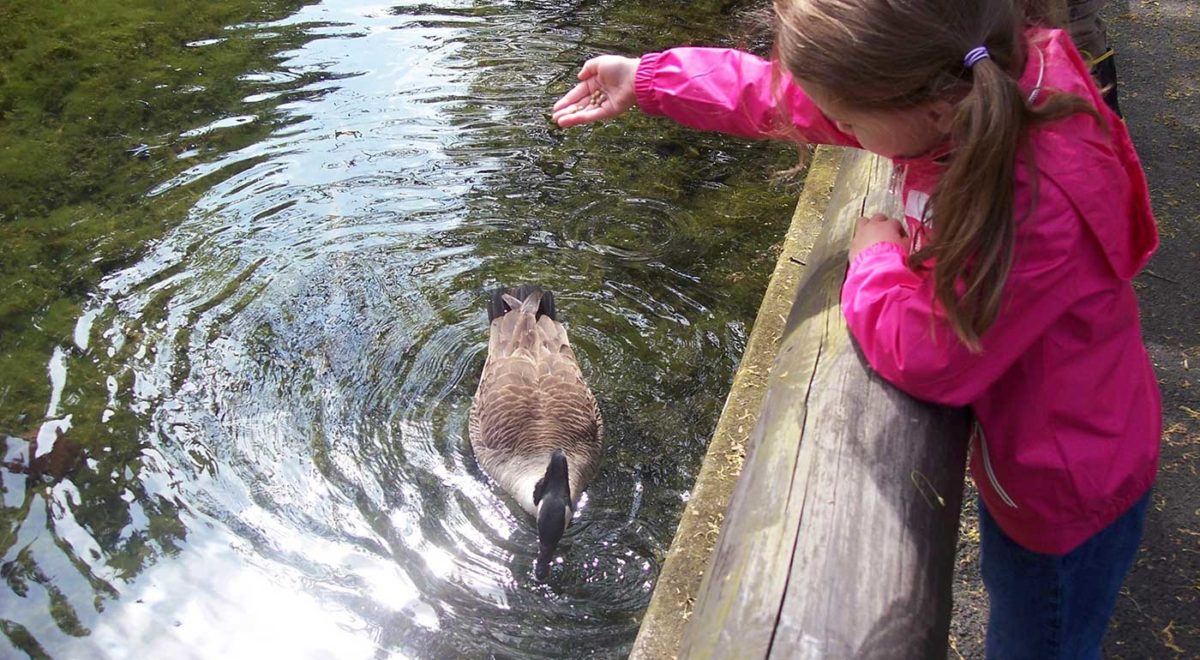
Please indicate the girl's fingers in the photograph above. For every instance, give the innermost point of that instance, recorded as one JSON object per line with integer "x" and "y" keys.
{"x": 878, "y": 225}
{"x": 584, "y": 104}
{"x": 576, "y": 116}
{"x": 574, "y": 119}
{"x": 571, "y": 110}
{"x": 891, "y": 223}
{"x": 578, "y": 94}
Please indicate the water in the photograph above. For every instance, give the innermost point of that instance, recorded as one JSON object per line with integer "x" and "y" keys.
{"x": 247, "y": 260}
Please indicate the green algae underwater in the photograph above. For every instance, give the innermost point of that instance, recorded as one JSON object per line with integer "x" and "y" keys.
{"x": 245, "y": 250}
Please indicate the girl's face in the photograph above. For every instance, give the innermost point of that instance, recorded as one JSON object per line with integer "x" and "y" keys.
{"x": 904, "y": 133}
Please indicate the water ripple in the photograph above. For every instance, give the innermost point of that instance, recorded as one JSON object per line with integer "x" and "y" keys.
{"x": 303, "y": 347}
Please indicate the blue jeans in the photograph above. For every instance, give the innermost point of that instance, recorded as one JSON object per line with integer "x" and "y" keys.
{"x": 1047, "y": 606}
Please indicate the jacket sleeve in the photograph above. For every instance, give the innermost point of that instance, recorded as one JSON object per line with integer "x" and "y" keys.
{"x": 733, "y": 92}
{"x": 890, "y": 309}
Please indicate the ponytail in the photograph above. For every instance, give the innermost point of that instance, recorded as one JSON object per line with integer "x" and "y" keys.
{"x": 976, "y": 219}
{"x": 974, "y": 203}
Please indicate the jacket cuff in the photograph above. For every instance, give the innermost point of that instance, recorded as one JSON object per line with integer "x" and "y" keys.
{"x": 882, "y": 247}
{"x": 643, "y": 84}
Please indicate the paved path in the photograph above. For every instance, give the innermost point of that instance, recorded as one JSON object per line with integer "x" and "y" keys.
{"x": 1158, "y": 43}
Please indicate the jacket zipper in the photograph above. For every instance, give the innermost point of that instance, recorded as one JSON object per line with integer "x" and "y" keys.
{"x": 987, "y": 467}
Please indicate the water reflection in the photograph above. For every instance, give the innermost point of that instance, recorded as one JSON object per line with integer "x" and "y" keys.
{"x": 283, "y": 379}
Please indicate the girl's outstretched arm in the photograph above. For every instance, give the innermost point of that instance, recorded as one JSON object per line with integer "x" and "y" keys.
{"x": 716, "y": 89}
{"x": 605, "y": 90}
{"x": 726, "y": 90}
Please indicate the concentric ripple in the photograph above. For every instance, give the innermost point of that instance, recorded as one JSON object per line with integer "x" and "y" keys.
{"x": 300, "y": 351}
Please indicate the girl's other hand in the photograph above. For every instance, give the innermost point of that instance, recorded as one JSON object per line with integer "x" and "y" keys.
{"x": 876, "y": 229}
{"x": 605, "y": 90}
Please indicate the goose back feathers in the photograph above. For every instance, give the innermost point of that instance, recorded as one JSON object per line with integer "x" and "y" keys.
{"x": 532, "y": 400}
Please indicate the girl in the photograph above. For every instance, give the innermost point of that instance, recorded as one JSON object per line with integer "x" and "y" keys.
{"x": 1007, "y": 287}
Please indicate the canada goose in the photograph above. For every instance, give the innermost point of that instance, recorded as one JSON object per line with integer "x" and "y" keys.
{"x": 535, "y": 427}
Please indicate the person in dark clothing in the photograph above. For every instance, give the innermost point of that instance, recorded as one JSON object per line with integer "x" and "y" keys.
{"x": 1081, "y": 18}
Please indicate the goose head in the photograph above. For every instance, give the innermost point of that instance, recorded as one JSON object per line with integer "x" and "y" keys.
{"x": 552, "y": 497}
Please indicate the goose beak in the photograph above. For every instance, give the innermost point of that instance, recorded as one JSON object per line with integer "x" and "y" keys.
{"x": 553, "y": 515}
{"x": 541, "y": 569}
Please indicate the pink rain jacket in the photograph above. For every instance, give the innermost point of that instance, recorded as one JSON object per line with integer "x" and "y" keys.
{"x": 1067, "y": 407}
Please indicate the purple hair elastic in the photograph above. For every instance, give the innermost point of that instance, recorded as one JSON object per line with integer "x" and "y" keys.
{"x": 974, "y": 55}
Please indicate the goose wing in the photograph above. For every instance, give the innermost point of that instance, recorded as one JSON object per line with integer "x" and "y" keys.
{"x": 531, "y": 400}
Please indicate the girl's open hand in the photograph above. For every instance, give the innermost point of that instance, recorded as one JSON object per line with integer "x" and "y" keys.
{"x": 876, "y": 229}
{"x": 605, "y": 90}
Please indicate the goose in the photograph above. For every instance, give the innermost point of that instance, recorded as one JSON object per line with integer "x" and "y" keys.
{"x": 535, "y": 427}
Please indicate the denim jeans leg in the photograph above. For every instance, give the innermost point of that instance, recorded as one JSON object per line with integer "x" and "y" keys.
{"x": 1023, "y": 596}
{"x": 1047, "y": 606}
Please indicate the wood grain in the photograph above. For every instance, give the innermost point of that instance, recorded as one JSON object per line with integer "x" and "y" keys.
{"x": 839, "y": 539}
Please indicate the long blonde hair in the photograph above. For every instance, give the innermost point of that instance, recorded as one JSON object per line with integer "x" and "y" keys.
{"x": 888, "y": 55}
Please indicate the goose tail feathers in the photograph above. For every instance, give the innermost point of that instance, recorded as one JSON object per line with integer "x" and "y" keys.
{"x": 527, "y": 298}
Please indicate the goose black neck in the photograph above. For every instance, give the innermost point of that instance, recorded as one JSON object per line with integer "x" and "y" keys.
{"x": 553, "y": 499}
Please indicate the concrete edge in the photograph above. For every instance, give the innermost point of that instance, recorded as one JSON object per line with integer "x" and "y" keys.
{"x": 695, "y": 538}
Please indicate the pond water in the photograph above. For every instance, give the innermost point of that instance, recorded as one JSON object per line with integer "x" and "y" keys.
{"x": 247, "y": 247}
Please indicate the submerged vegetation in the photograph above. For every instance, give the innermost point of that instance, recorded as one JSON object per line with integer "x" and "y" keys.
{"x": 661, "y": 238}
{"x": 94, "y": 97}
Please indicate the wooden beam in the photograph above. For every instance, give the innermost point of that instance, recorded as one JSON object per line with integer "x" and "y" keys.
{"x": 839, "y": 539}
{"x": 695, "y": 540}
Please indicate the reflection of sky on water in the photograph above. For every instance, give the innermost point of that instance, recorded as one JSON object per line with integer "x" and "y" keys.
{"x": 216, "y": 599}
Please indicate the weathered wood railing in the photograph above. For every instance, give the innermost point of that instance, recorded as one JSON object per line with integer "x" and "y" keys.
{"x": 839, "y": 540}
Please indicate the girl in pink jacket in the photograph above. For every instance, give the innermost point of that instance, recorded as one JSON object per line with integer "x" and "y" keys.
{"x": 1007, "y": 285}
